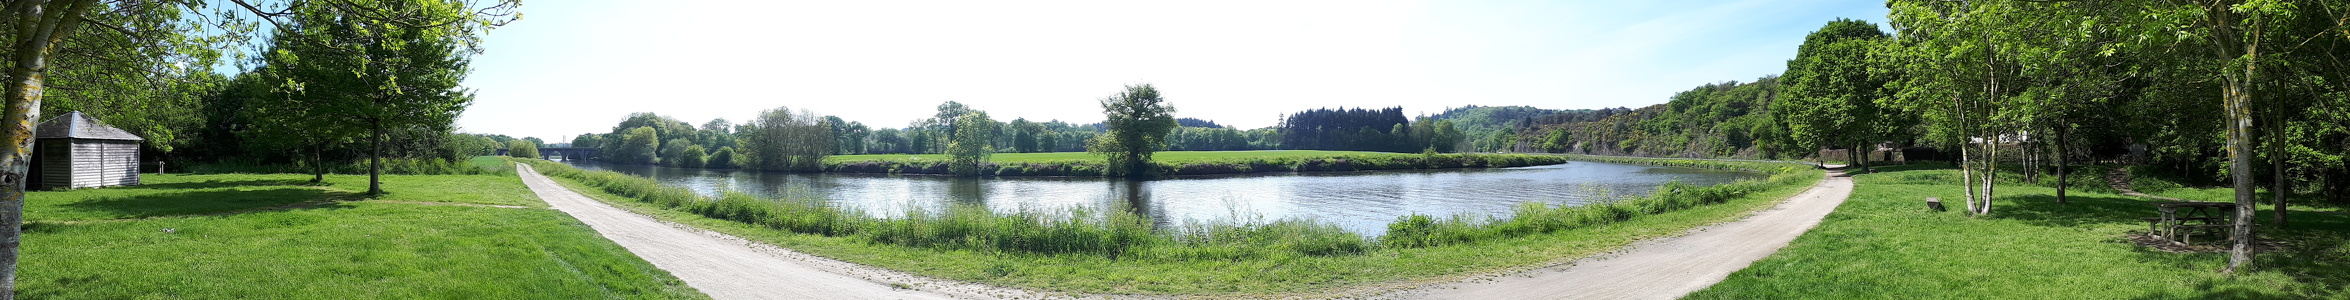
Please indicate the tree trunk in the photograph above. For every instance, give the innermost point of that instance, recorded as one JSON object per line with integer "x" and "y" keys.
{"x": 1990, "y": 173}
{"x": 39, "y": 27}
{"x": 317, "y": 164}
{"x": 2276, "y": 157}
{"x": 2063, "y": 178}
{"x": 2240, "y": 167}
{"x": 1863, "y": 157}
{"x": 1966, "y": 158}
{"x": 24, "y": 95}
{"x": 375, "y": 161}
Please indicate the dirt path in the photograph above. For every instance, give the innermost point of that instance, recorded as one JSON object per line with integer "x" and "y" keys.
{"x": 1665, "y": 268}
{"x": 728, "y": 267}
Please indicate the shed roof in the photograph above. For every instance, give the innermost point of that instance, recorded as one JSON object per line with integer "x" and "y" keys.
{"x": 81, "y": 126}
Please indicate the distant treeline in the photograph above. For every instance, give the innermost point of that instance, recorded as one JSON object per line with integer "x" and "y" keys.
{"x": 1359, "y": 129}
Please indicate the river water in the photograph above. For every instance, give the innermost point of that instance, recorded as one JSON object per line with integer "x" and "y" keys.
{"x": 1363, "y": 202}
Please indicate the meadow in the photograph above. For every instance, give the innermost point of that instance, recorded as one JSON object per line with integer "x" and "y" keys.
{"x": 1884, "y": 243}
{"x": 277, "y": 236}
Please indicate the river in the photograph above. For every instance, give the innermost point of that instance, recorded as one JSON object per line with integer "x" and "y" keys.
{"x": 1363, "y": 202}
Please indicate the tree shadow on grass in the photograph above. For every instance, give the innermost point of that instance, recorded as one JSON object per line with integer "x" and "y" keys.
{"x": 216, "y": 184}
{"x": 205, "y": 202}
{"x": 2308, "y": 252}
{"x": 2079, "y": 210}
{"x": 1857, "y": 170}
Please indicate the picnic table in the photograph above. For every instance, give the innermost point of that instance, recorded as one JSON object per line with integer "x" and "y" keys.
{"x": 2174, "y": 223}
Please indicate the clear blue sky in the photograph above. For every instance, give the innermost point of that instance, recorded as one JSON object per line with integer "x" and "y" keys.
{"x": 580, "y": 66}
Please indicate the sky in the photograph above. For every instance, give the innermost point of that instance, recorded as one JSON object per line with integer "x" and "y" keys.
{"x": 581, "y": 66}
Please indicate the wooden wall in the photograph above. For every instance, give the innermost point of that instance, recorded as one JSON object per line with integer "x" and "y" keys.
{"x": 78, "y": 163}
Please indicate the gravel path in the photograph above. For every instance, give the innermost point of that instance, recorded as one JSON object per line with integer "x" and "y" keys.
{"x": 728, "y": 267}
{"x": 1666, "y": 268}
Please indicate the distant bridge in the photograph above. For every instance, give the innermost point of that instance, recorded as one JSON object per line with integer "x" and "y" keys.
{"x": 566, "y": 153}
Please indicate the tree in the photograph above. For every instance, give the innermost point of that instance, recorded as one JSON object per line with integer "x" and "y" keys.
{"x": 887, "y": 140}
{"x": 636, "y": 146}
{"x": 1446, "y": 138}
{"x": 280, "y": 121}
{"x": 1139, "y": 120}
{"x": 972, "y": 143}
{"x": 786, "y": 140}
{"x": 522, "y": 149}
{"x": 38, "y": 30}
{"x": 1024, "y": 135}
{"x": 459, "y": 146}
{"x": 378, "y": 76}
{"x": 716, "y": 133}
{"x": 722, "y": 159}
{"x": 1346, "y": 129}
{"x": 1047, "y": 141}
{"x": 662, "y": 128}
{"x": 692, "y": 157}
{"x": 673, "y": 152}
{"x": 587, "y": 140}
{"x": 848, "y": 136}
{"x": 1832, "y": 91}
{"x": 1559, "y": 140}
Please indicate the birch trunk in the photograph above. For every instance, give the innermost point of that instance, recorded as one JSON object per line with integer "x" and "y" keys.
{"x": 39, "y": 27}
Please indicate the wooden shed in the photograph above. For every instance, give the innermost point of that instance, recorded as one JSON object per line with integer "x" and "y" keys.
{"x": 77, "y": 151}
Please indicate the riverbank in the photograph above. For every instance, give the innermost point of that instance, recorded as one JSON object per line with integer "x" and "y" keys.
{"x": 1187, "y": 162}
{"x": 233, "y": 236}
{"x": 1885, "y": 243}
{"x": 1666, "y": 268}
{"x": 1112, "y": 252}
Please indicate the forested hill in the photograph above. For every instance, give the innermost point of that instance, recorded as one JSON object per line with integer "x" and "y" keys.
{"x": 1730, "y": 119}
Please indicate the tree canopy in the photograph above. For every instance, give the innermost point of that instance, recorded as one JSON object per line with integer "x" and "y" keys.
{"x": 1138, "y": 120}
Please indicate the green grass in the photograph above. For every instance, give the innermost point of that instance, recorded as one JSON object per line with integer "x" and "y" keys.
{"x": 1283, "y": 258}
{"x": 478, "y": 165}
{"x": 1883, "y": 243}
{"x": 232, "y": 236}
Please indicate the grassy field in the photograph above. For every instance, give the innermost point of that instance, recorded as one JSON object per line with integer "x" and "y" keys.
{"x": 1883, "y": 243}
{"x": 1264, "y": 266}
{"x": 244, "y": 236}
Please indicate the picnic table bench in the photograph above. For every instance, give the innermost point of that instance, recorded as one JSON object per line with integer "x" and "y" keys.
{"x": 2180, "y": 220}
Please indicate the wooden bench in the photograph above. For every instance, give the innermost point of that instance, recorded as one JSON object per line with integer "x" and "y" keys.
{"x": 2187, "y": 232}
{"x": 2154, "y": 224}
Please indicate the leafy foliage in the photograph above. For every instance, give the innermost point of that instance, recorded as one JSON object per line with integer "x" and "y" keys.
{"x": 522, "y": 149}
{"x": 783, "y": 139}
{"x": 974, "y": 134}
{"x": 1139, "y": 121}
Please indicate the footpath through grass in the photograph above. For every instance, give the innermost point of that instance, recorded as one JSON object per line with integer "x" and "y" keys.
{"x": 1884, "y": 243}
{"x": 274, "y": 236}
{"x": 1107, "y": 253}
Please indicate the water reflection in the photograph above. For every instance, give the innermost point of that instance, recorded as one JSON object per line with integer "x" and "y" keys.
{"x": 1359, "y": 201}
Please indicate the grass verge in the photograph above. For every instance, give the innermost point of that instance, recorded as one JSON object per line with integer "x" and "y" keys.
{"x": 1112, "y": 252}
{"x": 246, "y": 236}
{"x": 1883, "y": 243}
